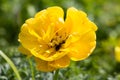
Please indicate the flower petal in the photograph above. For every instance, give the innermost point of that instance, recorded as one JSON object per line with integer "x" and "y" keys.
{"x": 83, "y": 47}
{"x": 28, "y": 37}
{"x": 43, "y": 65}
{"x": 80, "y": 22}
{"x": 36, "y": 26}
{"x": 51, "y": 13}
{"x": 52, "y": 16}
{"x": 60, "y": 63}
{"x": 48, "y": 55}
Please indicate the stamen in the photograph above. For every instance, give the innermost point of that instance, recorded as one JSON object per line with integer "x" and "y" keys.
{"x": 57, "y": 41}
{"x": 57, "y": 47}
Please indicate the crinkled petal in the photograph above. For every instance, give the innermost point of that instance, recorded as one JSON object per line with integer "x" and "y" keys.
{"x": 48, "y": 55}
{"x": 60, "y": 63}
{"x": 83, "y": 47}
{"x": 80, "y": 22}
{"x": 36, "y": 26}
{"x": 28, "y": 38}
{"x": 55, "y": 17}
{"x": 52, "y": 13}
{"x": 43, "y": 65}
{"x": 49, "y": 20}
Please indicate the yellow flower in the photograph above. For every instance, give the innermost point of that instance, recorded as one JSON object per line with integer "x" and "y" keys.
{"x": 54, "y": 41}
{"x": 117, "y": 53}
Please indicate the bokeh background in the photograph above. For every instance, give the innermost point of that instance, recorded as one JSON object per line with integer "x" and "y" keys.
{"x": 101, "y": 65}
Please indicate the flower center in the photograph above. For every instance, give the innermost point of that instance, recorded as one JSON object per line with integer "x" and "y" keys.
{"x": 57, "y": 41}
{"x": 57, "y": 47}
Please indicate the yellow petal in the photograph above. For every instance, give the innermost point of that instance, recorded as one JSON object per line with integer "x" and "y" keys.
{"x": 82, "y": 48}
{"x": 24, "y": 51}
{"x": 60, "y": 63}
{"x": 117, "y": 53}
{"x": 36, "y": 26}
{"x": 50, "y": 20}
{"x": 55, "y": 17}
{"x": 28, "y": 38}
{"x": 49, "y": 17}
{"x": 48, "y": 55}
{"x": 53, "y": 12}
{"x": 80, "y": 22}
{"x": 43, "y": 65}
{"x": 68, "y": 25}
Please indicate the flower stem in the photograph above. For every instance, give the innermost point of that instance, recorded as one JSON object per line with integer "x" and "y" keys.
{"x": 11, "y": 64}
{"x": 31, "y": 67}
{"x": 56, "y": 75}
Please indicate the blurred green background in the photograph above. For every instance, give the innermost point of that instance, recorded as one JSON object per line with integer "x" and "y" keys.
{"x": 101, "y": 65}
